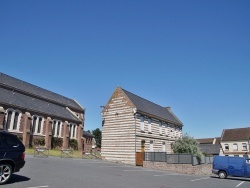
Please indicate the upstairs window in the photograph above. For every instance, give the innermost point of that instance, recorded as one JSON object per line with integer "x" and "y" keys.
{"x": 226, "y": 147}
{"x": 244, "y": 147}
{"x": 160, "y": 128}
{"x": 166, "y": 129}
{"x": 235, "y": 147}
{"x": 149, "y": 125}
{"x": 142, "y": 123}
{"x": 13, "y": 118}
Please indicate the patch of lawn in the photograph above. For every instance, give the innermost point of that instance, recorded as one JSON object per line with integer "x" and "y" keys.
{"x": 58, "y": 153}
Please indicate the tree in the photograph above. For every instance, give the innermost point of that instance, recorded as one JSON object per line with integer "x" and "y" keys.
{"x": 98, "y": 136}
{"x": 187, "y": 144}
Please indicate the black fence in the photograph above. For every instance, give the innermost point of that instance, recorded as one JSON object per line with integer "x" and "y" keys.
{"x": 177, "y": 158}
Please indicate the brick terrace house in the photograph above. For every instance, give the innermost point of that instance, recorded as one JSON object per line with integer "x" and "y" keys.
{"x": 34, "y": 113}
{"x": 235, "y": 142}
{"x": 132, "y": 124}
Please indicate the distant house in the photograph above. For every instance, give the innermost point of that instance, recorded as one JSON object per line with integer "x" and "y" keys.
{"x": 209, "y": 146}
{"x": 235, "y": 142}
{"x": 87, "y": 141}
{"x": 133, "y": 124}
{"x": 39, "y": 116}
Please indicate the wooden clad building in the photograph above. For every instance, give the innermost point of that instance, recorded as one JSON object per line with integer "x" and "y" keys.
{"x": 132, "y": 124}
{"x": 38, "y": 116}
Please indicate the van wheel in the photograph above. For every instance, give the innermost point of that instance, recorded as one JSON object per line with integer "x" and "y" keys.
{"x": 222, "y": 174}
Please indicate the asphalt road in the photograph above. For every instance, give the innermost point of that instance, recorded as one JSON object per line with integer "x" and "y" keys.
{"x": 85, "y": 173}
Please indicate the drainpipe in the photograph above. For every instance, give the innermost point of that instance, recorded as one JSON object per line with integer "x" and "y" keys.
{"x": 134, "y": 111}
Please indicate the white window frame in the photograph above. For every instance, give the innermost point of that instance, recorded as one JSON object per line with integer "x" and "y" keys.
{"x": 142, "y": 123}
{"x": 226, "y": 147}
{"x": 12, "y": 120}
{"x": 160, "y": 128}
{"x": 244, "y": 146}
{"x": 72, "y": 130}
{"x": 151, "y": 146}
{"x": 235, "y": 147}
{"x": 149, "y": 125}
{"x": 38, "y": 118}
{"x": 166, "y": 129}
{"x": 164, "y": 146}
{"x": 58, "y": 127}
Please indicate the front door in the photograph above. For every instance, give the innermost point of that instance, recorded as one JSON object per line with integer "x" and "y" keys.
{"x": 142, "y": 146}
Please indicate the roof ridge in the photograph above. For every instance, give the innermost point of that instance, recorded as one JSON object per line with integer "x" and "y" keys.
{"x": 238, "y": 128}
{"x": 144, "y": 98}
{"x": 38, "y": 87}
{"x": 33, "y": 85}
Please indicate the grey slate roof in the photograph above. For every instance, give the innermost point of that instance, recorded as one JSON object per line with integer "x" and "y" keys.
{"x": 34, "y": 104}
{"x": 30, "y": 89}
{"x": 210, "y": 148}
{"x": 148, "y": 107}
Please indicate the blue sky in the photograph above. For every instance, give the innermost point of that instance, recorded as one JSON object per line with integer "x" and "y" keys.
{"x": 191, "y": 55}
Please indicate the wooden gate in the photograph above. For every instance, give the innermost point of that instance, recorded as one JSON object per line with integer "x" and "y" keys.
{"x": 139, "y": 158}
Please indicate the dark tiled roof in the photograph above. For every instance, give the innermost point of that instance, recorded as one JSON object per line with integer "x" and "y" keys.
{"x": 205, "y": 140}
{"x": 236, "y": 134}
{"x": 148, "y": 107}
{"x": 30, "y": 89}
{"x": 35, "y": 105}
{"x": 210, "y": 148}
{"x": 86, "y": 133}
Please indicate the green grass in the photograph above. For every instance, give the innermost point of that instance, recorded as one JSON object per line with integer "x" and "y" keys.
{"x": 58, "y": 153}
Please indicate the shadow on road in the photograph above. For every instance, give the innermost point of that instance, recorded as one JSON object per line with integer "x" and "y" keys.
{"x": 233, "y": 178}
{"x": 17, "y": 178}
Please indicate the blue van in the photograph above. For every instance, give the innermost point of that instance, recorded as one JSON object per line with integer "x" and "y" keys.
{"x": 225, "y": 166}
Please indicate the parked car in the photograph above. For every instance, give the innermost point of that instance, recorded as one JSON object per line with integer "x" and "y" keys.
{"x": 11, "y": 155}
{"x": 225, "y": 166}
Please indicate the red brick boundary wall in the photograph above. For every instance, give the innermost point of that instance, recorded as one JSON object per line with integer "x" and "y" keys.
{"x": 204, "y": 169}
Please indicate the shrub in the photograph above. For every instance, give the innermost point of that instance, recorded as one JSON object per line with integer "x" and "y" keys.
{"x": 56, "y": 142}
{"x": 73, "y": 144}
{"x": 39, "y": 141}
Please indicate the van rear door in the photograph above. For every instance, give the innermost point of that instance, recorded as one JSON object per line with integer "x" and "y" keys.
{"x": 236, "y": 166}
{"x": 248, "y": 168}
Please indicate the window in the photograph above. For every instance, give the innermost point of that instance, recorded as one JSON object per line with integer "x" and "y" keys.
{"x": 13, "y": 118}
{"x": 235, "y": 147}
{"x": 37, "y": 124}
{"x": 175, "y": 131}
{"x": 163, "y": 146}
{"x": 160, "y": 128}
{"x": 166, "y": 129}
{"x": 149, "y": 125}
{"x": 244, "y": 147}
{"x": 142, "y": 123}
{"x": 56, "y": 128}
{"x": 226, "y": 147}
{"x": 151, "y": 146}
{"x": 72, "y": 130}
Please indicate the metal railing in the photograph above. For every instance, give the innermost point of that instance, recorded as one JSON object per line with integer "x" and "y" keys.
{"x": 177, "y": 158}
